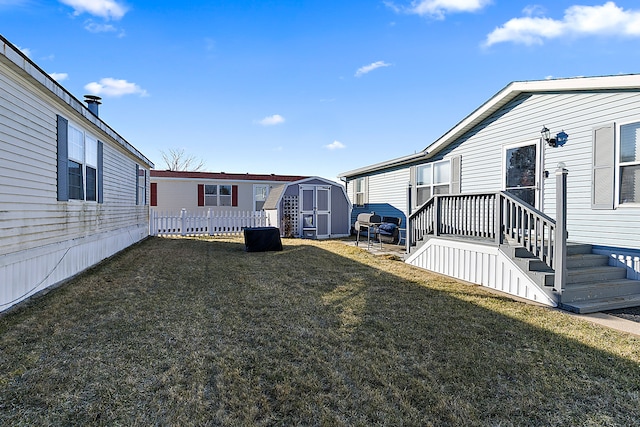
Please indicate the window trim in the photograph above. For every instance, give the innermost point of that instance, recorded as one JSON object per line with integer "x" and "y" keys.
{"x": 233, "y": 195}
{"x": 84, "y": 164}
{"x": 363, "y": 191}
{"x": 618, "y": 165}
{"x": 255, "y": 199}
{"x": 433, "y": 184}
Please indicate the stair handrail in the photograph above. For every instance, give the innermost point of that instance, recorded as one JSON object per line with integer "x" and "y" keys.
{"x": 497, "y": 216}
{"x": 527, "y": 227}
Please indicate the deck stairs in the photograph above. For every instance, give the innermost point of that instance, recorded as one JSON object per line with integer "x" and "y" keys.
{"x": 592, "y": 284}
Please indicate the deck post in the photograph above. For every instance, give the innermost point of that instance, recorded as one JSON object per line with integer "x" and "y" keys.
{"x": 498, "y": 218}
{"x": 560, "y": 253}
{"x": 407, "y": 233}
{"x": 437, "y": 217}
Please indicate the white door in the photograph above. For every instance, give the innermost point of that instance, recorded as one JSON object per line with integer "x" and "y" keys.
{"x": 522, "y": 172}
{"x": 315, "y": 211}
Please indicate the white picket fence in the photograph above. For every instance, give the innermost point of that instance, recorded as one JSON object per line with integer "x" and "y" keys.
{"x": 207, "y": 223}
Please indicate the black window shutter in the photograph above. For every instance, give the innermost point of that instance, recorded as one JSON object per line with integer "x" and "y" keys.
{"x": 603, "y": 172}
{"x": 100, "y": 173}
{"x": 137, "y": 186}
{"x": 62, "y": 160}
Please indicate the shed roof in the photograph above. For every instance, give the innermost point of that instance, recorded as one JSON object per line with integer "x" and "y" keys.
{"x": 499, "y": 100}
{"x": 225, "y": 176}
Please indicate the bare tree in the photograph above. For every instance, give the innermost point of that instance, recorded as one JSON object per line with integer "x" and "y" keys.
{"x": 177, "y": 160}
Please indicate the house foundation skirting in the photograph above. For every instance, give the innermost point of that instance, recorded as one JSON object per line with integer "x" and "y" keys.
{"x": 26, "y": 273}
{"x": 481, "y": 264}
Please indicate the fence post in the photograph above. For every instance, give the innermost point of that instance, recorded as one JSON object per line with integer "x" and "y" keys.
{"x": 183, "y": 221}
{"x": 560, "y": 253}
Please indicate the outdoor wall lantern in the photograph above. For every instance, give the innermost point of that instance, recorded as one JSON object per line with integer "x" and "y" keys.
{"x": 560, "y": 139}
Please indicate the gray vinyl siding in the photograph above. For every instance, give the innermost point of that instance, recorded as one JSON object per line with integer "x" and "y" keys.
{"x": 30, "y": 215}
{"x": 577, "y": 114}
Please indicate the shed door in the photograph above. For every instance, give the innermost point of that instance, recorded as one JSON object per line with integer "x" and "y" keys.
{"x": 315, "y": 210}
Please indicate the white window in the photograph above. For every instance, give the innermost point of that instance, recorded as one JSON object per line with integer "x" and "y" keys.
{"x": 83, "y": 165}
{"x": 260, "y": 193}
{"x": 359, "y": 187}
{"x": 432, "y": 178}
{"x": 629, "y": 163}
{"x": 217, "y": 195}
{"x": 142, "y": 187}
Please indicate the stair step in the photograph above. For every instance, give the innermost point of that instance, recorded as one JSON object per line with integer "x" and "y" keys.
{"x": 595, "y": 274}
{"x": 586, "y": 260}
{"x": 578, "y": 248}
{"x": 582, "y": 292}
{"x": 602, "y": 304}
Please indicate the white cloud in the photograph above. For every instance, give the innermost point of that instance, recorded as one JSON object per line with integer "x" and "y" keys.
{"x": 107, "y": 9}
{"x": 335, "y": 145}
{"x": 276, "y": 119}
{"x": 439, "y": 8}
{"x": 115, "y": 88}
{"x": 59, "y": 77}
{"x": 94, "y": 27}
{"x": 369, "y": 68}
{"x": 605, "y": 20}
{"x": 25, "y": 50}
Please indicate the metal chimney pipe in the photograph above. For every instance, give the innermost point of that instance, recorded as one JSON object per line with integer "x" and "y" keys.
{"x": 92, "y": 103}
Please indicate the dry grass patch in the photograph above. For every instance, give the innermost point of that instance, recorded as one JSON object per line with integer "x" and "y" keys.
{"x": 199, "y": 332}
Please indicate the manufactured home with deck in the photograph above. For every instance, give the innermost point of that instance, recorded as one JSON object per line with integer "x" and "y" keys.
{"x": 536, "y": 193}
{"x": 72, "y": 191}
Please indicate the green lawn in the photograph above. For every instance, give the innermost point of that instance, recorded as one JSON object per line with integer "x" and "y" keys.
{"x": 199, "y": 332}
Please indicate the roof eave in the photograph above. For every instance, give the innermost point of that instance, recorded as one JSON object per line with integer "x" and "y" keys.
{"x": 400, "y": 161}
{"x": 514, "y": 89}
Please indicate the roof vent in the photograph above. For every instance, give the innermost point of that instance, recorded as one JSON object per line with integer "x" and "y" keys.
{"x": 92, "y": 103}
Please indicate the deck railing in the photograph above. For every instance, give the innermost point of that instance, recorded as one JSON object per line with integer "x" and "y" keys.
{"x": 499, "y": 217}
{"x": 209, "y": 223}
{"x": 490, "y": 216}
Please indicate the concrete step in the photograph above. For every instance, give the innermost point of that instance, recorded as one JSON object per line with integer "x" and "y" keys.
{"x": 576, "y": 293}
{"x": 595, "y": 274}
{"x": 578, "y": 248}
{"x": 602, "y": 304}
{"x": 586, "y": 260}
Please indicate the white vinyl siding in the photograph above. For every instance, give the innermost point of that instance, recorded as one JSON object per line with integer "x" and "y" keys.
{"x": 32, "y": 215}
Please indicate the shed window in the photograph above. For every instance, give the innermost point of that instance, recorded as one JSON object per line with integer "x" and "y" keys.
{"x": 630, "y": 163}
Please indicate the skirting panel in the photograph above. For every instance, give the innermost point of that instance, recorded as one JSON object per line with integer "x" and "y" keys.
{"x": 26, "y": 273}
{"x": 480, "y": 264}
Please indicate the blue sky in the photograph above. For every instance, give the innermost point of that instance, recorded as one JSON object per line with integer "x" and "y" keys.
{"x": 310, "y": 87}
